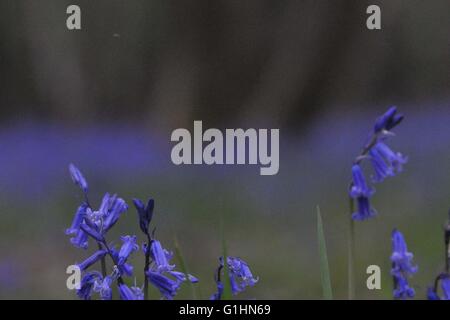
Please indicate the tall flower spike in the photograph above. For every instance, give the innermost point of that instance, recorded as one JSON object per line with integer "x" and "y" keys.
{"x": 78, "y": 179}
{"x": 361, "y": 192}
{"x": 402, "y": 267}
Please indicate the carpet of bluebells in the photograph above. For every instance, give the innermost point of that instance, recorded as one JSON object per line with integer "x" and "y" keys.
{"x": 90, "y": 226}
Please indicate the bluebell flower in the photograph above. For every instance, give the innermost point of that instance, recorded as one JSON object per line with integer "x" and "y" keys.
{"x": 129, "y": 245}
{"x": 80, "y": 240}
{"x": 239, "y": 274}
{"x": 104, "y": 288}
{"x": 388, "y": 120}
{"x": 401, "y": 258}
{"x": 116, "y": 207}
{"x": 124, "y": 268}
{"x": 445, "y": 286}
{"x": 402, "y": 267}
{"x": 145, "y": 213}
{"x": 91, "y": 231}
{"x": 87, "y": 285}
{"x": 431, "y": 294}
{"x": 393, "y": 160}
{"x": 78, "y": 219}
{"x": 402, "y": 289}
{"x": 138, "y": 293}
{"x": 161, "y": 257}
{"x": 78, "y": 179}
{"x": 168, "y": 287}
{"x": 381, "y": 168}
{"x": 92, "y": 259}
{"x": 180, "y": 276}
{"x": 126, "y": 293}
{"x": 361, "y": 192}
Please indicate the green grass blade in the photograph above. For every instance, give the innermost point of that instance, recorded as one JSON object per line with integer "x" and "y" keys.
{"x": 324, "y": 268}
{"x": 184, "y": 268}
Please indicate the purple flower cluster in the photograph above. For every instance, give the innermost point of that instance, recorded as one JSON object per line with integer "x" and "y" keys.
{"x": 385, "y": 163}
{"x": 93, "y": 225}
{"x": 402, "y": 267}
{"x": 239, "y": 274}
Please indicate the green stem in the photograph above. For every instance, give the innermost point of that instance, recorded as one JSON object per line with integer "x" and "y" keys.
{"x": 102, "y": 262}
{"x": 351, "y": 254}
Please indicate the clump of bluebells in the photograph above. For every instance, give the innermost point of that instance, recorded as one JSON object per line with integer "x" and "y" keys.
{"x": 384, "y": 161}
{"x": 92, "y": 226}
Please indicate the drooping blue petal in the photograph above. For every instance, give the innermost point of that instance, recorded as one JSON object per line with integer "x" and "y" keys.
{"x": 87, "y": 284}
{"x": 126, "y": 293}
{"x": 125, "y": 268}
{"x": 104, "y": 288}
{"x": 117, "y": 207}
{"x": 129, "y": 245}
{"x": 161, "y": 257}
{"x": 394, "y": 160}
{"x": 359, "y": 187}
{"x": 80, "y": 240}
{"x": 364, "y": 210}
{"x": 432, "y": 295}
{"x": 402, "y": 289}
{"x": 401, "y": 258}
{"x": 77, "y": 219}
{"x": 445, "y": 286}
{"x": 168, "y": 287}
{"x": 92, "y": 232}
{"x": 402, "y": 267}
{"x": 78, "y": 179}
{"x": 219, "y": 293}
{"x": 381, "y": 168}
{"x": 180, "y": 276}
{"x": 92, "y": 259}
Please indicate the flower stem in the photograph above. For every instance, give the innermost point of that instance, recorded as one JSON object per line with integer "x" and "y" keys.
{"x": 351, "y": 252}
{"x": 102, "y": 262}
{"x": 147, "y": 265}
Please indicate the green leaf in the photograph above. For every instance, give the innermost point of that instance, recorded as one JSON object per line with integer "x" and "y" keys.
{"x": 324, "y": 268}
{"x": 184, "y": 268}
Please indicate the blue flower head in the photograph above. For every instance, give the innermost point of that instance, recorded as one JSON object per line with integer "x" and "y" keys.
{"x": 239, "y": 274}
{"x": 402, "y": 267}
{"x": 167, "y": 286}
{"x": 129, "y": 294}
{"x": 361, "y": 192}
{"x": 87, "y": 285}
{"x": 92, "y": 259}
{"x": 145, "y": 213}
{"x": 104, "y": 288}
{"x": 388, "y": 120}
{"x": 401, "y": 258}
{"x": 129, "y": 245}
{"x": 161, "y": 257}
{"x": 78, "y": 179}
